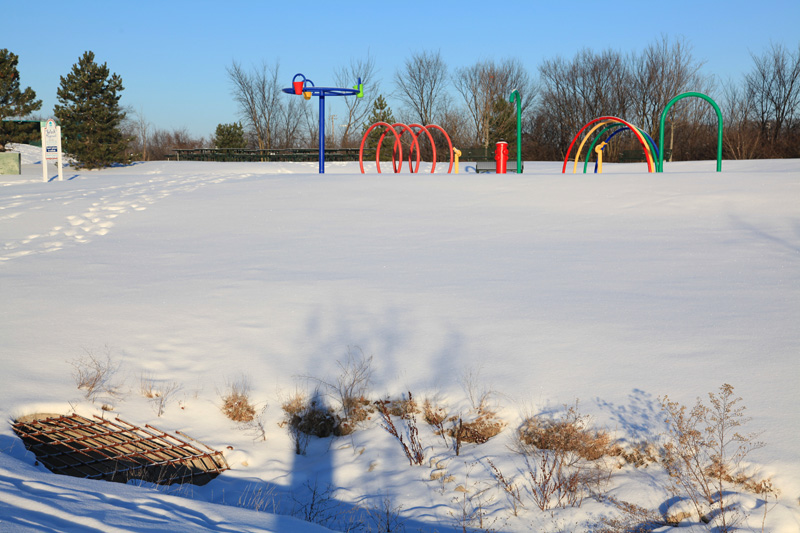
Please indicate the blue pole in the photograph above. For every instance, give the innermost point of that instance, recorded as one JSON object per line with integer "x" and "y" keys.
{"x": 322, "y": 133}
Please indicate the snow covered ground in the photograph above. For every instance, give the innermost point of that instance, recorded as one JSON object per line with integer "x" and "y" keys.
{"x": 612, "y": 289}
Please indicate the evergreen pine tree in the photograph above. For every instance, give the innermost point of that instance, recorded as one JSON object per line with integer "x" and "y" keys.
{"x": 381, "y": 112}
{"x": 503, "y": 125}
{"x": 230, "y": 136}
{"x": 13, "y": 101}
{"x": 90, "y": 114}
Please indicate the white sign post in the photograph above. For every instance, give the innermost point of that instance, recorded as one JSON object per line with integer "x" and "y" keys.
{"x": 51, "y": 147}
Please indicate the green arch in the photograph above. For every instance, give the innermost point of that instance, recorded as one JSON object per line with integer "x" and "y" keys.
{"x": 660, "y": 163}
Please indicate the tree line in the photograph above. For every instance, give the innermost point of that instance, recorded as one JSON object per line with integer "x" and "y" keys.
{"x": 761, "y": 111}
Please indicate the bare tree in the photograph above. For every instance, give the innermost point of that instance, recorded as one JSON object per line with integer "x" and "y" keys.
{"x": 422, "y": 86}
{"x": 741, "y": 136}
{"x": 663, "y": 71}
{"x": 353, "y": 119}
{"x": 774, "y": 86}
{"x": 162, "y": 142}
{"x": 142, "y": 129}
{"x": 483, "y": 84}
{"x": 575, "y": 92}
{"x": 261, "y": 104}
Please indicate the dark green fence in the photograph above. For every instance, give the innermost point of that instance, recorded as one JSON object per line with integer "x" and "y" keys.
{"x": 245, "y": 154}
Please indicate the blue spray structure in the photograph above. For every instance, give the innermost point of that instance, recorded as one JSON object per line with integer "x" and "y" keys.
{"x": 304, "y": 86}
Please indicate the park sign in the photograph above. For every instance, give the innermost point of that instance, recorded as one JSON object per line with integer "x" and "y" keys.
{"x": 51, "y": 147}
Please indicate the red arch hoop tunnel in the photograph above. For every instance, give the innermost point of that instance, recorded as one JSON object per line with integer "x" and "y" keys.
{"x": 398, "y": 146}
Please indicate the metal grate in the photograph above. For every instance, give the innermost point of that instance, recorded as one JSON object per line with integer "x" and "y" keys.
{"x": 118, "y": 451}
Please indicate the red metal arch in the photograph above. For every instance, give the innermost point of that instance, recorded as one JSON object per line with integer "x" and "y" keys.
{"x": 378, "y": 152}
{"x": 397, "y": 146}
{"x": 449, "y": 144}
{"x": 430, "y": 138}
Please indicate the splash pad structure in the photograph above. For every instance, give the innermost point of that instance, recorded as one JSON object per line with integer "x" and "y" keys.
{"x": 305, "y": 87}
{"x": 397, "y": 147}
{"x": 653, "y": 155}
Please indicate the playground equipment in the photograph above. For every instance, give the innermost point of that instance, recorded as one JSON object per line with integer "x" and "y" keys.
{"x": 397, "y": 147}
{"x": 650, "y": 141}
{"x": 664, "y": 117}
{"x": 599, "y": 160}
{"x": 654, "y": 156}
{"x": 304, "y": 86}
{"x": 648, "y": 150}
{"x": 516, "y": 97}
{"x": 501, "y": 156}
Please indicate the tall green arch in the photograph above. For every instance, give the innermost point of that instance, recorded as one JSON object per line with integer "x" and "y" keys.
{"x": 660, "y": 163}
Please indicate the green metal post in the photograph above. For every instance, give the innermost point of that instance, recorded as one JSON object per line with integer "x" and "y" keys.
{"x": 515, "y": 96}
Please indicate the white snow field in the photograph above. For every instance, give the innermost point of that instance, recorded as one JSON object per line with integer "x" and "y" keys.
{"x": 614, "y": 289}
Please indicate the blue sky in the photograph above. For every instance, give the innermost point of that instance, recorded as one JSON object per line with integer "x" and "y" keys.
{"x": 172, "y": 55}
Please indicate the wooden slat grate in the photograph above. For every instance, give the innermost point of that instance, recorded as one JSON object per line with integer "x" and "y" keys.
{"x": 117, "y": 451}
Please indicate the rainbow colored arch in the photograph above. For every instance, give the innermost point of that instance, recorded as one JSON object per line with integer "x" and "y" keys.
{"x": 648, "y": 145}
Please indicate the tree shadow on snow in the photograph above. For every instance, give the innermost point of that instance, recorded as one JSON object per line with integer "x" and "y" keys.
{"x": 640, "y": 419}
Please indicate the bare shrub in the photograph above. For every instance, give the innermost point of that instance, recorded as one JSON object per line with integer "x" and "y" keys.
{"x": 94, "y": 374}
{"x": 508, "y": 486}
{"x": 477, "y": 393}
{"x": 350, "y": 389}
{"x": 236, "y": 401}
{"x": 554, "y": 479}
{"x": 317, "y": 504}
{"x": 260, "y": 497}
{"x": 563, "y": 458}
{"x": 256, "y": 427}
{"x": 633, "y": 519}
{"x": 704, "y": 451}
{"x": 385, "y": 517}
{"x": 413, "y": 450}
{"x": 353, "y": 382}
{"x": 159, "y": 393}
{"x": 472, "y": 513}
{"x": 147, "y": 385}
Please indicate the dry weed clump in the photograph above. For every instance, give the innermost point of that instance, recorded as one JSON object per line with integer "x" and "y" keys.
{"x": 570, "y": 433}
{"x": 434, "y": 415}
{"x": 482, "y": 424}
{"x": 639, "y": 454}
{"x": 294, "y": 405}
{"x": 401, "y": 407}
{"x": 478, "y": 431}
{"x": 236, "y": 402}
{"x": 310, "y": 416}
